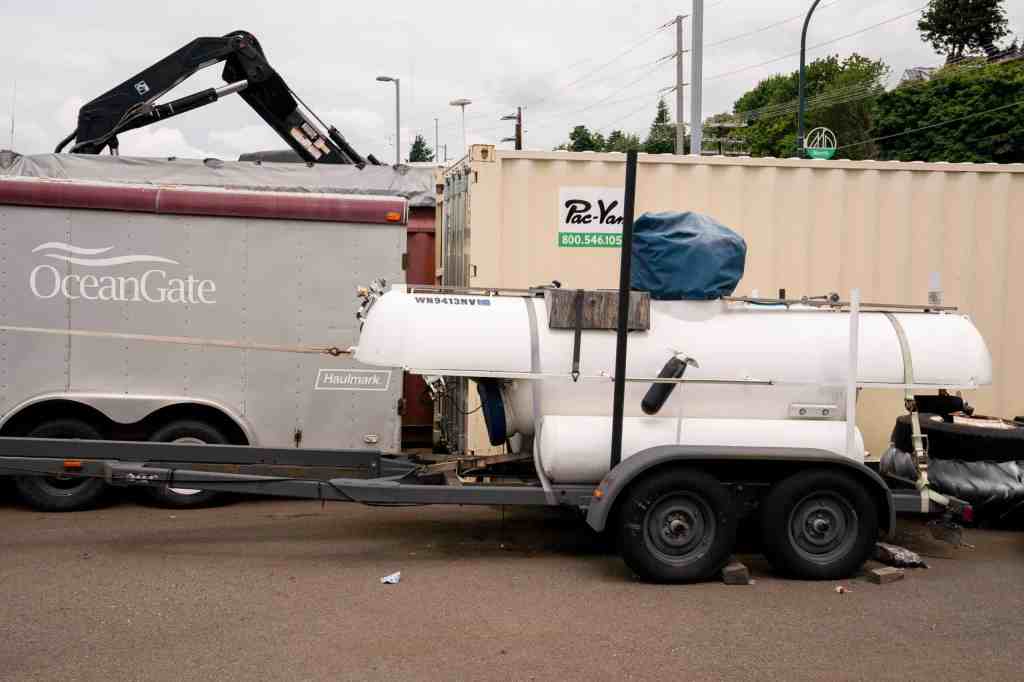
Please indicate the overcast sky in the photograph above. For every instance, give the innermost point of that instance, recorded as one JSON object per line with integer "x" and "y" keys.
{"x": 543, "y": 55}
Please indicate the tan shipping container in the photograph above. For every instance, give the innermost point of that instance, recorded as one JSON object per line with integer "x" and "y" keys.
{"x": 811, "y": 227}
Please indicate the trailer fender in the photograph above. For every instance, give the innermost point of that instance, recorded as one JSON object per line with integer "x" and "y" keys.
{"x": 602, "y": 503}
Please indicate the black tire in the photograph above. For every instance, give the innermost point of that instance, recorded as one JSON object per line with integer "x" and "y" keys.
{"x": 62, "y": 494}
{"x": 819, "y": 524}
{"x": 676, "y": 526}
{"x": 194, "y": 431}
{"x": 962, "y": 441}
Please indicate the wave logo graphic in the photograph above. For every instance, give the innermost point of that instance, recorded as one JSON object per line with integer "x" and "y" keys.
{"x": 154, "y": 285}
{"x": 78, "y": 255}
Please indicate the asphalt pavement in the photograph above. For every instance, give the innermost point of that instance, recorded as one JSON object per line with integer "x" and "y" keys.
{"x": 287, "y": 590}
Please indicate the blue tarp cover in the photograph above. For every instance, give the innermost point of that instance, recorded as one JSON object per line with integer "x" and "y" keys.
{"x": 685, "y": 255}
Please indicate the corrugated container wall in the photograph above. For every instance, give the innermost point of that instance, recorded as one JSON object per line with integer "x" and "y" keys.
{"x": 811, "y": 227}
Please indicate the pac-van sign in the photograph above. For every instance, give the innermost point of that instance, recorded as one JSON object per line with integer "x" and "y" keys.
{"x": 353, "y": 380}
{"x": 590, "y": 216}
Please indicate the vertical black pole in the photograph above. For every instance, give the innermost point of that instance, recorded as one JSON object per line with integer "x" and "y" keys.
{"x": 801, "y": 95}
{"x": 625, "y": 267}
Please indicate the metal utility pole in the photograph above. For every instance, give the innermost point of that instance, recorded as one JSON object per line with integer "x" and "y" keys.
{"x": 462, "y": 103}
{"x": 398, "y": 116}
{"x": 680, "y": 126}
{"x": 437, "y": 148}
{"x": 696, "y": 76}
{"x": 519, "y": 128}
{"x": 801, "y": 95}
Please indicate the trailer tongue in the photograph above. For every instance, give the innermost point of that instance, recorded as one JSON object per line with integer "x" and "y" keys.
{"x": 365, "y": 476}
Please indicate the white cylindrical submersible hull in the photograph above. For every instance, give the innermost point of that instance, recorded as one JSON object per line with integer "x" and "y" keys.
{"x": 762, "y": 363}
{"x": 577, "y": 449}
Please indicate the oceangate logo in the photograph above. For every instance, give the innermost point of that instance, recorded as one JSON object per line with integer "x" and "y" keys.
{"x": 152, "y": 286}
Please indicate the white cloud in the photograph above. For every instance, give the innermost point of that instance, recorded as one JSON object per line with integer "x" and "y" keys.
{"x": 28, "y": 137}
{"x": 534, "y": 56}
{"x": 248, "y": 138}
{"x": 358, "y": 119}
{"x": 67, "y": 114}
{"x": 161, "y": 141}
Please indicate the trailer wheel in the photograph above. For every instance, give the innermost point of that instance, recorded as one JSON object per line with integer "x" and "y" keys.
{"x": 819, "y": 525}
{"x": 676, "y": 526}
{"x": 62, "y": 493}
{"x": 194, "y": 432}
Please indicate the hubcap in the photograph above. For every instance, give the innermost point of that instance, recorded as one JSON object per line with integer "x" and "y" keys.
{"x": 192, "y": 441}
{"x": 679, "y": 527}
{"x": 823, "y": 526}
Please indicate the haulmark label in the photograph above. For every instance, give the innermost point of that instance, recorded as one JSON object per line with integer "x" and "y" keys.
{"x": 353, "y": 380}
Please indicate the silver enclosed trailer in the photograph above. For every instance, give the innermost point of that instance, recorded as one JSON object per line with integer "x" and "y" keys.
{"x": 222, "y": 252}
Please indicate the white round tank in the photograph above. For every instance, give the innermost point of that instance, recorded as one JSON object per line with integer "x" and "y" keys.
{"x": 802, "y": 351}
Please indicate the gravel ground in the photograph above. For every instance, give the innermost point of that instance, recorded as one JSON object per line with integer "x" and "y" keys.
{"x": 285, "y": 590}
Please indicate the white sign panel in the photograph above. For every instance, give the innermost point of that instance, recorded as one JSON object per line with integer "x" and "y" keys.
{"x": 590, "y": 216}
{"x": 353, "y": 380}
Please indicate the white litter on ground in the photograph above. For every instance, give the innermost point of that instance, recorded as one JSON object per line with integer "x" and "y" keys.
{"x": 392, "y": 579}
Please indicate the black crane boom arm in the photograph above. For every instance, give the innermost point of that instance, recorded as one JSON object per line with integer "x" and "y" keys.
{"x": 246, "y": 71}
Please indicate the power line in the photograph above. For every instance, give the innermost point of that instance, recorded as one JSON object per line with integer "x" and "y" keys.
{"x": 814, "y": 47}
{"x": 764, "y": 28}
{"x": 640, "y": 42}
{"x": 934, "y": 125}
{"x": 620, "y": 119}
{"x": 601, "y": 66}
{"x": 603, "y": 100}
{"x": 863, "y": 90}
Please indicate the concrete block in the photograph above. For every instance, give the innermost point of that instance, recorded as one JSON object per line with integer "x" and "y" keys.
{"x": 735, "y": 573}
{"x": 885, "y": 575}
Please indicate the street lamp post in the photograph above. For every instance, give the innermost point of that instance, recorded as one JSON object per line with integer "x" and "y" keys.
{"x": 462, "y": 103}
{"x": 801, "y": 95}
{"x": 398, "y": 116}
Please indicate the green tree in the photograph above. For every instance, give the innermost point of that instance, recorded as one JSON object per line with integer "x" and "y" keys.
{"x": 420, "y": 151}
{"x": 958, "y": 27}
{"x": 619, "y": 141}
{"x": 581, "y": 139}
{"x": 841, "y": 95}
{"x": 662, "y": 137}
{"x": 979, "y": 110}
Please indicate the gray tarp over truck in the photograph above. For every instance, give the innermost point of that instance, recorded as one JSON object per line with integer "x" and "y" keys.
{"x": 263, "y": 253}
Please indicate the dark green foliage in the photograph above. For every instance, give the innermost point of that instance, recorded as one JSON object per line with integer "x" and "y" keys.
{"x": 954, "y": 93}
{"x": 619, "y": 141}
{"x": 420, "y": 151}
{"x": 959, "y": 27}
{"x": 841, "y": 96}
{"x": 581, "y": 139}
{"x": 662, "y": 137}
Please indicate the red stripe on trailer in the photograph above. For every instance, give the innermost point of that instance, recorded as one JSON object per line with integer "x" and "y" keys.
{"x": 208, "y": 202}
{"x": 25, "y": 192}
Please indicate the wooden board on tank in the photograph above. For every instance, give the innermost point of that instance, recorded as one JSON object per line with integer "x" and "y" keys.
{"x": 600, "y": 309}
